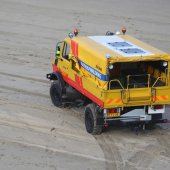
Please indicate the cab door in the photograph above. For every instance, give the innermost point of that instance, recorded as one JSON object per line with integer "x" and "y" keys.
{"x": 64, "y": 61}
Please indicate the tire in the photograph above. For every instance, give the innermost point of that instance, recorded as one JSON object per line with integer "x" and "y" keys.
{"x": 56, "y": 93}
{"x": 61, "y": 81}
{"x": 91, "y": 117}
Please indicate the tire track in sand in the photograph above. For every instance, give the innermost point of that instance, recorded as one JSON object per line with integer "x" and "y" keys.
{"x": 24, "y": 77}
{"x": 142, "y": 159}
{"x": 163, "y": 137}
{"x": 24, "y": 91}
{"x": 111, "y": 152}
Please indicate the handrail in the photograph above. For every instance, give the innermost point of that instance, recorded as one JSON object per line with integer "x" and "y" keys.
{"x": 116, "y": 80}
{"x": 167, "y": 79}
{"x": 156, "y": 81}
{"x": 149, "y": 78}
{"x": 167, "y": 73}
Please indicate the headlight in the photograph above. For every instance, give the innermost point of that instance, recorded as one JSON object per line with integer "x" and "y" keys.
{"x": 111, "y": 66}
{"x": 165, "y": 63}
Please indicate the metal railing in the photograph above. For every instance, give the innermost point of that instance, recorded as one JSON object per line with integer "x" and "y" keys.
{"x": 167, "y": 73}
{"x": 138, "y": 81}
{"x": 115, "y": 80}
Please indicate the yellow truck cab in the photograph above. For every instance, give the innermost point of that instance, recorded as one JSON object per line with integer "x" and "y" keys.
{"x": 116, "y": 76}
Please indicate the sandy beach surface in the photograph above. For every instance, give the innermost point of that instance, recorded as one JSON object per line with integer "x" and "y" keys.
{"x": 35, "y": 135}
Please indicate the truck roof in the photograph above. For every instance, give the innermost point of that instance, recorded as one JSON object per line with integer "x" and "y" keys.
{"x": 120, "y": 48}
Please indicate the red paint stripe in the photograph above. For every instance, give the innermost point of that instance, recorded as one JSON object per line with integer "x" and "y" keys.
{"x": 74, "y": 48}
{"x": 55, "y": 68}
{"x": 79, "y": 88}
{"x": 78, "y": 80}
{"x": 83, "y": 91}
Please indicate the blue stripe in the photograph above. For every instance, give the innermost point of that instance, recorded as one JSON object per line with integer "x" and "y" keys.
{"x": 93, "y": 71}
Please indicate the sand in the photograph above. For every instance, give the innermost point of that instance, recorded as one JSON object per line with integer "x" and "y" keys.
{"x": 36, "y": 135}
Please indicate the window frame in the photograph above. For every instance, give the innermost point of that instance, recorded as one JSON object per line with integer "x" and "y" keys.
{"x": 66, "y": 51}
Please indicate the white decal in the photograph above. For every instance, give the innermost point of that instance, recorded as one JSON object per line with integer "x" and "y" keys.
{"x": 120, "y": 46}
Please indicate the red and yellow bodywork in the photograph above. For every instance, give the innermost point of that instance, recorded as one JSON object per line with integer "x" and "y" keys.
{"x": 86, "y": 69}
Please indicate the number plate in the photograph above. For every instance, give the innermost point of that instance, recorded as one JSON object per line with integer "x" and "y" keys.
{"x": 113, "y": 114}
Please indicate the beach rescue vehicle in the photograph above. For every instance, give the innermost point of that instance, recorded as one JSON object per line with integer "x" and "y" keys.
{"x": 116, "y": 76}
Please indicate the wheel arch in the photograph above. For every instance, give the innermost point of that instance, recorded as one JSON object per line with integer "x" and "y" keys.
{"x": 57, "y": 76}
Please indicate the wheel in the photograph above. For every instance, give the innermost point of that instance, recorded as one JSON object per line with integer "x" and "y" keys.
{"x": 56, "y": 93}
{"x": 91, "y": 123}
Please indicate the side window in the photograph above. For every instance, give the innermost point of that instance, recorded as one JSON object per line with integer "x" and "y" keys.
{"x": 66, "y": 51}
